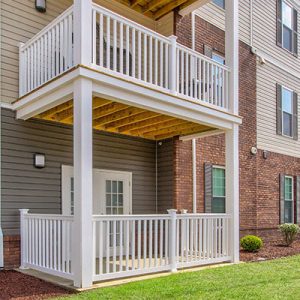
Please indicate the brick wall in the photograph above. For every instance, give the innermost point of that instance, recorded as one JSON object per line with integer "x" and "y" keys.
{"x": 259, "y": 177}
{"x": 11, "y": 248}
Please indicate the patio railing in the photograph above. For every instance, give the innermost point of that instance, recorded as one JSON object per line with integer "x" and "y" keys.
{"x": 126, "y": 245}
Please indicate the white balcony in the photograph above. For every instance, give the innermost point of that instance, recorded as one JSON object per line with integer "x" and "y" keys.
{"x": 125, "y": 49}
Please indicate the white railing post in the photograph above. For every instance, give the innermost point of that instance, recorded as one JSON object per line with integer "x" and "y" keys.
{"x": 83, "y": 32}
{"x": 173, "y": 70}
{"x": 23, "y": 237}
{"x": 172, "y": 238}
{"x": 22, "y": 67}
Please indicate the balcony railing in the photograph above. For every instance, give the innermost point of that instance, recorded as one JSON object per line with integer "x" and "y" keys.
{"x": 126, "y": 49}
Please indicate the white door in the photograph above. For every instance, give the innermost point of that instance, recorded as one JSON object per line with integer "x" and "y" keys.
{"x": 111, "y": 191}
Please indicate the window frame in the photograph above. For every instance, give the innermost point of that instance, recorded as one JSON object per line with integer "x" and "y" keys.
{"x": 212, "y": 183}
{"x": 290, "y": 200}
{"x": 216, "y": 4}
{"x": 282, "y": 111}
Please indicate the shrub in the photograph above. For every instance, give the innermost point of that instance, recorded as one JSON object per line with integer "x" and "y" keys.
{"x": 251, "y": 243}
{"x": 289, "y": 232}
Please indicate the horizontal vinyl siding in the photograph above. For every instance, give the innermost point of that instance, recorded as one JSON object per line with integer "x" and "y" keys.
{"x": 264, "y": 33}
{"x": 24, "y": 186}
{"x": 165, "y": 159}
{"x": 20, "y": 22}
{"x": 267, "y": 139}
{"x": 216, "y": 16}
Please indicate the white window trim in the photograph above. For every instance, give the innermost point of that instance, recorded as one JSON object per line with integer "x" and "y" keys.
{"x": 67, "y": 171}
{"x": 293, "y": 198}
{"x": 292, "y": 91}
{"x": 282, "y": 25}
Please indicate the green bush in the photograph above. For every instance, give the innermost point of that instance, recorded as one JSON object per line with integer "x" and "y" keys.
{"x": 251, "y": 243}
{"x": 289, "y": 232}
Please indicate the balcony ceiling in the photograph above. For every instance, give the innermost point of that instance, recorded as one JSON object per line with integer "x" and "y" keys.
{"x": 156, "y": 9}
{"x": 123, "y": 119}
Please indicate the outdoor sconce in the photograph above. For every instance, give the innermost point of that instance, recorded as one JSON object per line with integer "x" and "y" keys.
{"x": 40, "y": 5}
{"x": 265, "y": 154}
{"x": 39, "y": 160}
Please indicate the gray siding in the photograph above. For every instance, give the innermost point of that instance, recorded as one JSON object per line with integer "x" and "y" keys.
{"x": 24, "y": 186}
{"x": 165, "y": 172}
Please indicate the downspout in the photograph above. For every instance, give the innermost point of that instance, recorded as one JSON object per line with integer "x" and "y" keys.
{"x": 1, "y": 233}
{"x": 156, "y": 181}
{"x": 194, "y": 150}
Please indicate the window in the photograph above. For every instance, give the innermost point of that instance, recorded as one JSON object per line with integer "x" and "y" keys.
{"x": 218, "y": 199}
{"x": 287, "y": 27}
{"x": 287, "y": 112}
{"x": 218, "y": 58}
{"x": 288, "y": 199}
{"x": 220, "y": 3}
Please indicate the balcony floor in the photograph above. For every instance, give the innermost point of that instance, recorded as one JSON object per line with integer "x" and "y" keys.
{"x": 120, "y": 118}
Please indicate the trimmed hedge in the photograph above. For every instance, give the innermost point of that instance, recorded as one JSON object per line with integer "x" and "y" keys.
{"x": 251, "y": 243}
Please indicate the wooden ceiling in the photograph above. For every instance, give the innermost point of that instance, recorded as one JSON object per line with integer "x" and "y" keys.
{"x": 156, "y": 9}
{"x": 123, "y": 119}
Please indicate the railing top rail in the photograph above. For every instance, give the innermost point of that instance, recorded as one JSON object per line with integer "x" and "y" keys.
{"x": 202, "y": 56}
{"x": 130, "y": 217}
{"x": 129, "y": 22}
{"x": 208, "y": 216}
{"x": 49, "y": 217}
{"x": 59, "y": 18}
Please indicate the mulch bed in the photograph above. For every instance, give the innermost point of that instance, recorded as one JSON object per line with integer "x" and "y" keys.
{"x": 14, "y": 285}
{"x": 271, "y": 250}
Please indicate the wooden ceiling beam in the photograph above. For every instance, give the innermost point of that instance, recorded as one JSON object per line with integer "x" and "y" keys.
{"x": 108, "y": 109}
{"x": 154, "y": 120}
{"x": 116, "y": 116}
{"x": 50, "y": 112}
{"x": 135, "y": 3}
{"x": 167, "y": 8}
{"x": 162, "y": 126}
{"x": 187, "y": 131}
{"x": 152, "y": 4}
{"x": 129, "y": 121}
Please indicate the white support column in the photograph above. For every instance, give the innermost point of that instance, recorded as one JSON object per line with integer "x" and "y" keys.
{"x": 82, "y": 255}
{"x": 194, "y": 167}
{"x": 83, "y": 32}
{"x": 23, "y": 233}
{"x": 232, "y": 189}
{"x": 232, "y": 52}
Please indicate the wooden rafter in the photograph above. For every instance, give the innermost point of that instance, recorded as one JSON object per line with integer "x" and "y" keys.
{"x": 167, "y": 8}
{"x": 152, "y": 5}
{"x": 117, "y": 125}
{"x": 135, "y": 3}
{"x": 151, "y": 121}
{"x": 124, "y": 113}
{"x": 120, "y": 118}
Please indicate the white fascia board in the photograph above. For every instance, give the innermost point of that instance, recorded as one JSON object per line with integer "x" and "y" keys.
{"x": 201, "y": 135}
{"x": 139, "y": 96}
{"x": 52, "y": 94}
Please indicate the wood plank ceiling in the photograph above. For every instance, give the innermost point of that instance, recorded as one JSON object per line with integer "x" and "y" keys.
{"x": 156, "y": 9}
{"x": 123, "y": 119}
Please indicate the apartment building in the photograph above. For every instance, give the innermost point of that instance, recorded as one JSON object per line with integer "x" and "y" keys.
{"x": 268, "y": 103}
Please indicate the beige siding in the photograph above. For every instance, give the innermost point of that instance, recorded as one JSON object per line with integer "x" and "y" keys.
{"x": 165, "y": 25}
{"x": 216, "y": 16}
{"x": 267, "y": 139}
{"x": 20, "y": 21}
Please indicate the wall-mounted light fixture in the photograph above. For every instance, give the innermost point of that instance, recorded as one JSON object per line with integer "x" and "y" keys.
{"x": 40, "y": 5}
{"x": 39, "y": 160}
{"x": 265, "y": 154}
{"x": 253, "y": 150}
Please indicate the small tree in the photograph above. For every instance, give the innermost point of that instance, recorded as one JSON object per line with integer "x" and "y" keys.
{"x": 289, "y": 232}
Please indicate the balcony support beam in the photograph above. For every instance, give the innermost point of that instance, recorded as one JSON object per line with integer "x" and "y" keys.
{"x": 82, "y": 248}
{"x": 82, "y": 32}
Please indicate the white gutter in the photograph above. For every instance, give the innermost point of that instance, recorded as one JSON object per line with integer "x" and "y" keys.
{"x": 1, "y": 233}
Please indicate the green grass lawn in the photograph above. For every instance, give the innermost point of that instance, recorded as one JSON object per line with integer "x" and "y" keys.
{"x": 276, "y": 279}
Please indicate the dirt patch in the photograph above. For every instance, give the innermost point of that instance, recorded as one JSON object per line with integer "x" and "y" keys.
{"x": 14, "y": 285}
{"x": 271, "y": 250}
